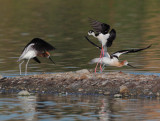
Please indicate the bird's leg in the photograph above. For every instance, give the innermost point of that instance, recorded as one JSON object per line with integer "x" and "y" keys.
{"x": 102, "y": 55}
{"x": 103, "y": 67}
{"x": 26, "y": 67}
{"x": 98, "y": 62}
{"x": 20, "y": 66}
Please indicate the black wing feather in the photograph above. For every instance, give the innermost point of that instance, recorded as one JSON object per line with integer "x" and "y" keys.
{"x": 99, "y": 26}
{"x": 37, "y": 60}
{"x": 111, "y": 38}
{"x": 118, "y": 53}
{"x": 92, "y": 43}
{"x": 40, "y": 45}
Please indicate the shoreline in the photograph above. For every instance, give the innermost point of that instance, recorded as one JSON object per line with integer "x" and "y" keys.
{"x": 117, "y": 84}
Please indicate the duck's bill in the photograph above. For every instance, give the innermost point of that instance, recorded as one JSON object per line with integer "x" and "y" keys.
{"x": 51, "y": 60}
{"x": 131, "y": 65}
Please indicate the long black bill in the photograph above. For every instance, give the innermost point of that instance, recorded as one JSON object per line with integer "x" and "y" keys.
{"x": 51, "y": 59}
{"x": 131, "y": 65}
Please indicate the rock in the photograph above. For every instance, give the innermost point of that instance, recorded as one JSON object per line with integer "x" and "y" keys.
{"x": 157, "y": 94}
{"x": 117, "y": 96}
{"x": 1, "y": 77}
{"x": 80, "y": 89}
{"x": 83, "y": 71}
{"x": 150, "y": 93}
{"x": 123, "y": 89}
{"x": 24, "y": 93}
{"x": 105, "y": 82}
{"x": 106, "y": 93}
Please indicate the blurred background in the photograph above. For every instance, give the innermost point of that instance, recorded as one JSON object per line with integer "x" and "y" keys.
{"x": 64, "y": 24}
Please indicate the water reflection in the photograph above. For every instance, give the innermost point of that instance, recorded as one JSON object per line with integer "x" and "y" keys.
{"x": 28, "y": 106}
{"x": 97, "y": 108}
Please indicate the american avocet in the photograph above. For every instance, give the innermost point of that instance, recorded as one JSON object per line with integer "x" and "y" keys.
{"x": 113, "y": 59}
{"x": 37, "y": 47}
{"x": 103, "y": 35}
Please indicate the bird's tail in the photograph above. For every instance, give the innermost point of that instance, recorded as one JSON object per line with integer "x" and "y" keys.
{"x": 95, "y": 60}
{"x": 19, "y": 59}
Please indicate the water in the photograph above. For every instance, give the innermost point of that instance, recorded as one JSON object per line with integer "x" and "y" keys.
{"x": 64, "y": 24}
{"x": 77, "y": 108}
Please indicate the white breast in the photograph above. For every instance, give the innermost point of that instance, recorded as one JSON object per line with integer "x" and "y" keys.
{"x": 30, "y": 54}
{"x": 103, "y": 38}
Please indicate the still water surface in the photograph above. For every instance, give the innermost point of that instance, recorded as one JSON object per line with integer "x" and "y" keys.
{"x": 64, "y": 24}
{"x": 77, "y": 108}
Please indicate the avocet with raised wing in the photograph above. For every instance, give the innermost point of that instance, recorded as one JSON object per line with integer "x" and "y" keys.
{"x": 37, "y": 47}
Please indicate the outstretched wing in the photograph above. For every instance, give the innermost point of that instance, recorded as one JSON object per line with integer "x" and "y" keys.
{"x": 99, "y": 26}
{"x": 40, "y": 45}
{"x": 118, "y": 53}
{"x": 112, "y": 36}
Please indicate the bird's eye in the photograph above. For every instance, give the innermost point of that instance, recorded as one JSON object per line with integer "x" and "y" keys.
{"x": 90, "y": 31}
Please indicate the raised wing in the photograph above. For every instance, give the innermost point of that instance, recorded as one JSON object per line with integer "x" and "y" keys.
{"x": 40, "y": 45}
{"x": 118, "y": 53}
{"x": 112, "y": 36}
{"x": 99, "y": 26}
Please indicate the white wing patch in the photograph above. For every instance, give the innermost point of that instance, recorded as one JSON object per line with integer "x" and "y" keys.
{"x": 119, "y": 53}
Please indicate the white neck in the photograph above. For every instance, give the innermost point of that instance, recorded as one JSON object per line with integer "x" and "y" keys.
{"x": 93, "y": 34}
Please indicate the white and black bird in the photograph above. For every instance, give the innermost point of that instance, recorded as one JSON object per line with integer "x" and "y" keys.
{"x": 36, "y": 47}
{"x": 102, "y": 32}
{"x": 113, "y": 59}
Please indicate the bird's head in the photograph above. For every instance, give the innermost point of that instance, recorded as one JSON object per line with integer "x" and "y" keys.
{"x": 47, "y": 55}
{"x": 125, "y": 62}
{"x": 90, "y": 32}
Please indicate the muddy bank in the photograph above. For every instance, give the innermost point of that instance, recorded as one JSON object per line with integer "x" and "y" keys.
{"x": 86, "y": 82}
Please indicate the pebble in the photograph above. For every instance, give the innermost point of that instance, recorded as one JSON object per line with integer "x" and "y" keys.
{"x": 106, "y": 93}
{"x": 83, "y": 71}
{"x": 117, "y": 96}
{"x": 24, "y": 93}
{"x": 80, "y": 89}
{"x": 124, "y": 89}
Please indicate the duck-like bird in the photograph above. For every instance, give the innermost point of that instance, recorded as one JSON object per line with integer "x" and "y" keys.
{"x": 36, "y": 47}
{"x": 103, "y": 35}
{"x": 113, "y": 59}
